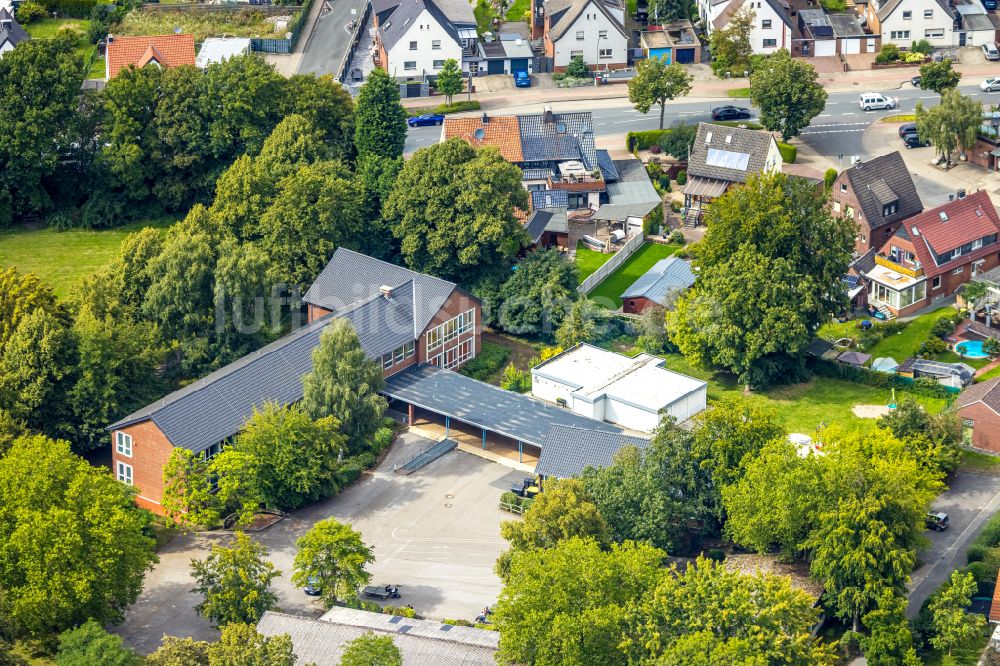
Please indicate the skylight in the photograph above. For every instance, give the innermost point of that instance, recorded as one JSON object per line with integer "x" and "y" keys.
{"x": 727, "y": 159}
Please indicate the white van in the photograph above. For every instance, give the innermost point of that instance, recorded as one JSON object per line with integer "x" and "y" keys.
{"x": 869, "y": 101}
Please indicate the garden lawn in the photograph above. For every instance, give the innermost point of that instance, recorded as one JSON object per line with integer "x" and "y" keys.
{"x": 803, "y": 407}
{"x": 48, "y": 27}
{"x": 967, "y": 655}
{"x": 907, "y": 342}
{"x": 991, "y": 374}
{"x": 240, "y": 22}
{"x": 588, "y": 261}
{"x": 517, "y": 9}
{"x": 608, "y": 293}
{"x": 61, "y": 258}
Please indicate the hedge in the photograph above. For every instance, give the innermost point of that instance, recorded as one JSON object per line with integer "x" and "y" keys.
{"x": 788, "y": 152}
{"x": 850, "y": 373}
{"x": 643, "y": 140}
{"x": 444, "y": 109}
{"x": 70, "y": 8}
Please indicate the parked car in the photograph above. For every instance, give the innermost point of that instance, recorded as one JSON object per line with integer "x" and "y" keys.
{"x": 907, "y": 128}
{"x": 873, "y": 100}
{"x": 915, "y": 81}
{"x": 913, "y": 140}
{"x": 730, "y": 113}
{"x": 313, "y": 588}
{"x": 990, "y": 4}
{"x": 425, "y": 119}
{"x": 936, "y": 521}
{"x": 522, "y": 80}
{"x": 990, "y": 51}
{"x": 991, "y": 84}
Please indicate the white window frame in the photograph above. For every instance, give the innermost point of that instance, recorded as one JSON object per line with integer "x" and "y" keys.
{"x": 580, "y": 35}
{"x": 449, "y": 330}
{"x": 575, "y": 54}
{"x": 928, "y": 13}
{"x": 936, "y": 282}
{"x": 123, "y": 443}
{"x": 602, "y": 34}
{"x": 410, "y": 65}
{"x": 765, "y": 24}
{"x": 124, "y": 473}
{"x": 958, "y": 271}
{"x": 438, "y": 64}
{"x": 976, "y": 244}
{"x": 604, "y": 54}
{"x": 899, "y": 34}
{"x": 907, "y": 15}
{"x": 934, "y": 33}
{"x": 435, "y": 45}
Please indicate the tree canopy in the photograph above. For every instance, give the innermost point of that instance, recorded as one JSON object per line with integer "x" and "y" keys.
{"x": 939, "y": 76}
{"x": 951, "y": 124}
{"x": 656, "y": 82}
{"x": 787, "y": 93}
{"x": 371, "y": 650}
{"x": 730, "y": 46}
{"x": 380, "y": 120}
{"x": 332, "y": 556}
{"x": 235, "y": 582}
{"x": 534, "y": 299}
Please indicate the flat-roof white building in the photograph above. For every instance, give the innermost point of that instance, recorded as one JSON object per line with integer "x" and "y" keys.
{"x": 632, "y": 392}
{"x": 219, "y": 49}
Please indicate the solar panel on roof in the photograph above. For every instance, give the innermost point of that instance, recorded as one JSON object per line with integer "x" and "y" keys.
{"x": 727, "y": 159}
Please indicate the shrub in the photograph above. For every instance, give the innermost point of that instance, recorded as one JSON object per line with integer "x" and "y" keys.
{"x": 977, "y": 553}
{"x": 491, "y": 359}
{"x": 934, "y": 345}
{"x": 677, "y": 237}
{"x": 913, "y": 57}
{"x": 848, "y": 373}
{"x": 403, "y": 611}
{"x": 652, "y": 222}
{"x": 716, "y": 554}
{"x": 788, "y": 152}
{"x": 61, "y": 220}
{"x": 655, "y": 149}
{"x": 30, "y": 11}
{"x": 369, "y": 606}
{"x": 457, "y": 623}
{"x": 942, "y": 327}
{"x": 923, "y": 46}
{"x": 888, "y": 53}
{"x": 382, "y": 439}
{"x": 676, "y": 206}
{"x": 665, "y": 182}
{"x": 578, "y": 69}
{"x": 645, "y": 139}
{"x": 682, "y": 177}
{"x": 348, "y": 474}
{"x": 982, "y": 572}
{"x": 364, "y": 460}
{"x": 990, "y": 536}
{"x": 515, "y": 379}
{"x": 558, "y": 76}
{"x": 829, "y": 177}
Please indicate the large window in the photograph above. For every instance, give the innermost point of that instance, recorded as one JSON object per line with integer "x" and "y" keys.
{"x": 397, "y": 355}
{"x": 936, "y": 33}
{"x": 123, "y": 444}
{"x": 409, "y": 64}
{"x": 899, "y": 299}
{"x": 455, "y": 356}
{"x": 450, "y": 330}
{"x": 604, "y": 53}
{"x": 123, "y": 472}
{"x": 899, "y": 34}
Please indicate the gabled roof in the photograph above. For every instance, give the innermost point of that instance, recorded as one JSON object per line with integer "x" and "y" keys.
{"x": 10, "y": 30}
{"x": 420, "y": 642}
{"x": 987, "y": 393}
{"x": 558, "y": 136}
{"x": 501, "y": 132}
{"x": 452, "y": 15}
{"x": 722, "y": 20}
{"x": 730, "y": 154}
{"x": 873, "y": 179}
{"x": 167, "y": 50}
{"x": 536, "y": 224}
{"x": 886, "y": 8}
{"x": 568, "y": 450}
{"x": 865, "y": 263}
{"x": 564, "y": 13}
{"x": 666, "y": 275}
{"x": 352, "y": 277}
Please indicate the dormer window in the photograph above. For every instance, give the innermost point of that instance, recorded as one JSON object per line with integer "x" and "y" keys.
{"x": 890, "y": 208}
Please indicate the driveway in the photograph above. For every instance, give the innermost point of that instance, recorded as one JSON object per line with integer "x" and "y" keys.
{"x": 969, "y": 501}
{"x": 330, "y": 40}
{"x": 435, "y": 533}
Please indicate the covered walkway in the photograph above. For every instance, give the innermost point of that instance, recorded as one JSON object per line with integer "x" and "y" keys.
{"x": 503, "y": 426}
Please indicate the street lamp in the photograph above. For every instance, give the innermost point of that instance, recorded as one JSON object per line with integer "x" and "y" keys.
{"x": 598, "y": 68}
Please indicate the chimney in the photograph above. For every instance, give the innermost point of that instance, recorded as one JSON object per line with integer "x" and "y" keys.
{"x": 385, "y": 291}
{"x": 547, "y": 115}
{"x": 486, "y": 119}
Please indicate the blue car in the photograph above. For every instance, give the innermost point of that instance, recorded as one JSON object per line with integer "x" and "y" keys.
{"x": 425, "y": 119}
{"x": 521, "y": 80}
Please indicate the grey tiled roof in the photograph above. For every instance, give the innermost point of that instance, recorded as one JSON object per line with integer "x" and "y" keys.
{"x": 607, "y": 166}
{"x": 631, "y": 195}
{"x": 549, "y": 199}
{"x": 755, "y": 143}
{"x": 568, "y": 450}
{"x": 563, "y": 13}
{"x": 322, "y": 641}
{"x": 450, "y": 14}
{"x": 13, "y": 32}
{"x": 987, "y": 392}
{"x": 568, "y": 136}
{"x": 535, "y": 174}
{"x": 351, "y": 277}
{"x": 865, "y": 263}
{"x": 535, "y": 226}
{"x": 871, "y": 178}
{"x": 666, "y": 275}
{"x": 483, "y": 405}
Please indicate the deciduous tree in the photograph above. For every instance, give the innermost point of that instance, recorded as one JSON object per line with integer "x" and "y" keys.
{"x": 939, "y": 76}
{"x": 951, "y": 124}
{"x": 345, "y": 383}
{"x": 889, "y": 641}
{"x": 371, "y": 650}
{"x": 730, "y": 435}
{"x": 334, "y": 556}
{"x": 951, "y": 624}
{"x": 379, "y": 118}
{"x": 328, "y": 105}
{"x": 235, "y": 582}
{"x": 241, "y": 645}
{"x": 175, "y": 651}
{"x": 535, "y": 298}
{"x": 449, "y": 81}
{"x": 90, "y": 644}
{"x": 787, "y": 93}
{"x": 188, "y": 495}
{"x": 579, "y": 324}
{"x": 730, "y": 46}
{"x": 21, "y": 294}
{"x": 657, "y": 82}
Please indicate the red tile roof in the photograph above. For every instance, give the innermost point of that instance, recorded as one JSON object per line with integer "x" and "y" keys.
{"x": 167, "y": 50}
{"x": 501, "y": 132}
{"x": 987, "y": 393}
{"x": 965, "y": 220}
{"x": 995, "y": 606}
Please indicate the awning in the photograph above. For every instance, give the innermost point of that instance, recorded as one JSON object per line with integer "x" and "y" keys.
{"x": 705, "y": 187}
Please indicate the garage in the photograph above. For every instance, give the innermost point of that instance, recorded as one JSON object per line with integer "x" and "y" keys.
{"x": 685, "y": 56}
{"x": 850, "y": 46}
{"x": 494, "y": 67}
{"x": 519, "y": 65}
{"x": 826, "y": 47}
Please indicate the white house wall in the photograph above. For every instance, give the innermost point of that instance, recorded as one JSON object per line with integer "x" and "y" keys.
{"x": 424, "y": 31}
{"x": 591, "y": 43}
{"x": 630, "y": 416}
{"x": 918, "y": 25}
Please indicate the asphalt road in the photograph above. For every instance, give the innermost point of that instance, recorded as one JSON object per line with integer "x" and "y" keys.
{"x": 969, "y": 501}
{"x": 330, "y": 39}
{"x": 835, "y": 132}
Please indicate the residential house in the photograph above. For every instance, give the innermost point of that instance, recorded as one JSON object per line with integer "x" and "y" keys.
{"x": 878, "y": 194}
{"x": 658, "y": 285}
{"x": 932, "y": 254}
{"x": 979, "y": 408}
{"x": 903, "y": 23}
{"x": 11, "y": 32}
{"x": 321, "y": 641}
{"x": 721, "y": 157}
{"x": 675, "y": 42}
{"x": 633, "y": 392}
{"x": 10, "y": 5}
{"x": 822, "y": 34}
{"x": 413, "y": 38}
{"x": 589, "y": 29}
{"x": 402, "y": 318}
{"x": 548, "y": 227}
{"x": 220, "y": 49}
{"x": 508, "y": 54}
{"x": 986, "y": 151}
{"x": 157, "y": 50}
{"x": 772, "y": 26}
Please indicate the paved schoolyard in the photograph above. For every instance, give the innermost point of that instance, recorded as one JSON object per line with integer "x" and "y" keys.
{"x": 435, "y": 534}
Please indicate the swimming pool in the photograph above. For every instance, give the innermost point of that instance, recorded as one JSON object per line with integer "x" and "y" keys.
{"x": 971, "y": 349}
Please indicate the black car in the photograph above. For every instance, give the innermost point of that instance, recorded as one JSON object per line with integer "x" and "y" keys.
{"x": 730, "y": 113}
{"x": 914, "y": 141}
{"x": 907, "y": 128}
{"x": 936, "y": 521}
{"x": 915, "y": 81}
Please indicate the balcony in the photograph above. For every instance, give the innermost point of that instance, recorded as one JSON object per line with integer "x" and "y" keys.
{"x": 911, "y": 271}
{"x": 576, "y": 183}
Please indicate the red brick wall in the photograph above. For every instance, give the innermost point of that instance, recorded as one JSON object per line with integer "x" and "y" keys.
{"x": 457, "y": 303}
{"x": 316, "y": 312}
{"x": 986, "y": 426}
{"x": 150, "y": 452}
{"x": 865, "y": 238}
{"x": 635, "y": 305}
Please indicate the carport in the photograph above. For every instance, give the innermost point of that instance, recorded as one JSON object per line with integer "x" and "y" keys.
{"x": 500, "y": 421}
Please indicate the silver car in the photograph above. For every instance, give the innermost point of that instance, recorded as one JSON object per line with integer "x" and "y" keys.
{"x": 991, "y": 84}
{"x": 990, "y": 51}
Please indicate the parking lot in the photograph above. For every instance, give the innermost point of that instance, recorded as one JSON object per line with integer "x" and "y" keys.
{"x": 435, "y": 533}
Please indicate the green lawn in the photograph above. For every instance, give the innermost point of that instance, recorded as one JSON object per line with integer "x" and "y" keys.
{"x": 975, "y": 461}
{"x": 992, "y": 374}
{"x": 952, "y": 357}
{"x": 517, "y": 9}
{"x": 61, "y": 258}
{"x": 738, "y": 92}
{"x": 803, "y": 407}
{"x": 907, "y": 342}
{"x": 48, "y": 27}
{"x": 588, "y": 261}
{"x": 967, "y": 655}
{"x": 608, "y": 293}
